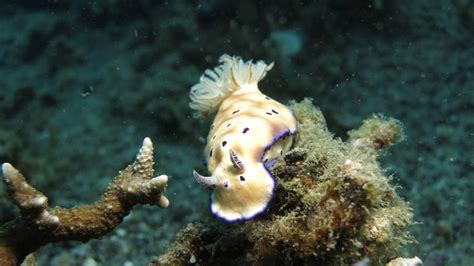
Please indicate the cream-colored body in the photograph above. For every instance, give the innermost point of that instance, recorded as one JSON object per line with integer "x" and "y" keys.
{"x": 255, "y": 129}
{"x": 263, "y": 119}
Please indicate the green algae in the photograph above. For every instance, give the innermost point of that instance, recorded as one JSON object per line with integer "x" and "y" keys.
{"x": 333, "y": 205}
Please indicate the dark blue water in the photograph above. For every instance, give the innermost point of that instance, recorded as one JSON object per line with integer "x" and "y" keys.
{"x": 81, "y": 85}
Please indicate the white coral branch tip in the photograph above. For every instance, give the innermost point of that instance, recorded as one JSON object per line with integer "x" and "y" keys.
{"x": 232, "y": 74}
{"x": 9, "y": 172}
{"x": 144, "y": 160}
{"x": 47, "y": 218}
{"x": 164, "y": 202}
{"x": 39, "y": 201}
{"x": 154, "y": 183}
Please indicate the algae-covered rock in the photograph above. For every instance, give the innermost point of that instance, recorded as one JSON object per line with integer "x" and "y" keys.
{"x": 333, "y": 205}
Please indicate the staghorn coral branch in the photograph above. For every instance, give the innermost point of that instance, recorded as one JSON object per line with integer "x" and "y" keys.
{"x": 39, "y": 224}
{"x": 32, "y": 203}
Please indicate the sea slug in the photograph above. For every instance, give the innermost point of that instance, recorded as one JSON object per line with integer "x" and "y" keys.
{"x": 250, "y": 130}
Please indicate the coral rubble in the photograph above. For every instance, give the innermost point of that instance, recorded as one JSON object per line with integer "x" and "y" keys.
{"x": 40, "y": 224}
{"x": 333, "y": 205}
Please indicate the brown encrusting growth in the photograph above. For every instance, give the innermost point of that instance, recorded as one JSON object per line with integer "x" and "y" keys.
{"x": 38, "y": 224}
{"x": 333, "y": 205}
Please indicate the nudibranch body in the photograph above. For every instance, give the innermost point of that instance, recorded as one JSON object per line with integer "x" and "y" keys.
{"x": 250, "y": 130}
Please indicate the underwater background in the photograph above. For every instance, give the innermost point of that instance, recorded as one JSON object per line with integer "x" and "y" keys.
{"x": 83, "y": 82}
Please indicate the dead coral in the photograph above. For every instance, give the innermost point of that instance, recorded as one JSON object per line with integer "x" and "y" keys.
{"x": 333, "y": 205}
{"x": 39, "y": 224}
